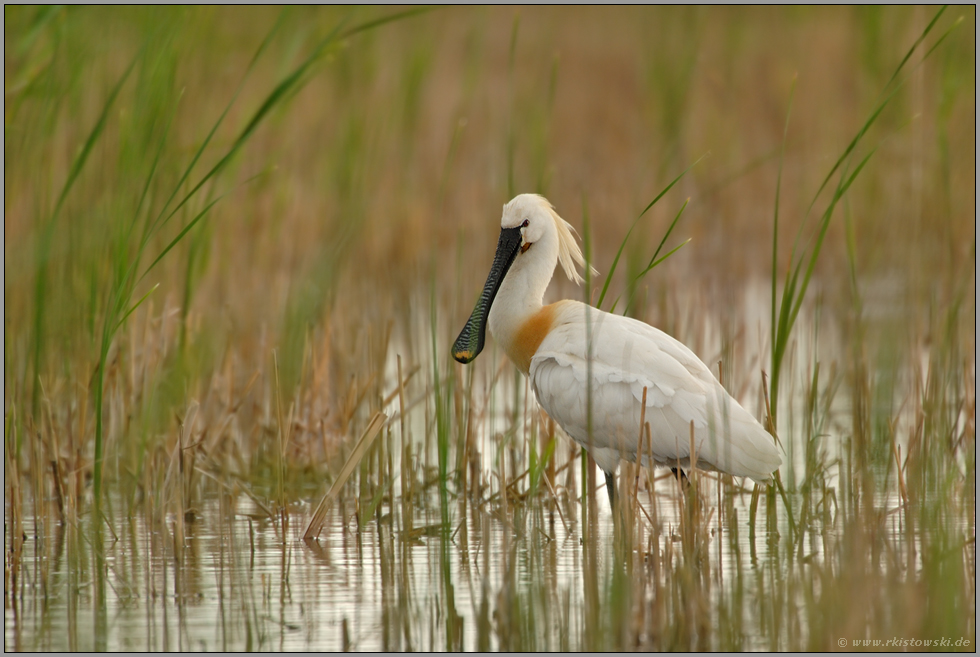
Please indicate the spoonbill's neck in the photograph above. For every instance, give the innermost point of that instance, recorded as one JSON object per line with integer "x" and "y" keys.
{"x": 520, "y": 299}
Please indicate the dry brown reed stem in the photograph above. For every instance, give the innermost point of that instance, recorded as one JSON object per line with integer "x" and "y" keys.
{"x": 639, "y": 452}
{"x": 397, "y": 392}
{"x": 694, "y": 455}
{"x": 12, "y": 560}
{"x": 177, "y": 464}
{"x": 897, "y": 453}
{"x": 554, "y": 496}
{"x": 360, "y": 449}
{"x": 281, "y": 453}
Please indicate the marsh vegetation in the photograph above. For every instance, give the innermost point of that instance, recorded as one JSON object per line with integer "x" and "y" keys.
{"x": 235, "y": 236}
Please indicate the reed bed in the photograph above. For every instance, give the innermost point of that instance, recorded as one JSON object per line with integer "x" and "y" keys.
{"x": 239, "y": 242}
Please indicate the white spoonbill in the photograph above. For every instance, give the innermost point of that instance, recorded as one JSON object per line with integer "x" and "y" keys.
{"x": 550, "y": 345}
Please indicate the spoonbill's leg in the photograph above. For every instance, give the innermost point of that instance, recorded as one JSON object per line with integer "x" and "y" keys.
{"x": 681, "y": 478}
{"x": 610, "y": 487}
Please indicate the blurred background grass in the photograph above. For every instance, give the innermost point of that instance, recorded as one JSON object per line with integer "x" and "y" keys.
{"x": 385, "y": 168}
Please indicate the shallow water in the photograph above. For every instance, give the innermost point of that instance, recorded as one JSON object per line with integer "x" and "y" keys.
{"x": 235, "y": 585}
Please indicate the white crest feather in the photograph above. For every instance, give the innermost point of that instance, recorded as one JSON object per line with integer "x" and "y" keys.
{"x": 569, "y": 252}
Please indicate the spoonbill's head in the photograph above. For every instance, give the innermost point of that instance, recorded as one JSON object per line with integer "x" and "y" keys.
{"x": 533, "y": 238}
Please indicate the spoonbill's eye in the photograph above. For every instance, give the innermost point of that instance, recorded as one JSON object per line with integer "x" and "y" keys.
{"x": 524, "y": 225}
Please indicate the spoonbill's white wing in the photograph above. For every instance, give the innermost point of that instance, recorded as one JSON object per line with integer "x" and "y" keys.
{"x": 628, "y": 355}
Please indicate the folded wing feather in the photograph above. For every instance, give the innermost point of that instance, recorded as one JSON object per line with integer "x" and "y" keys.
{"x": 628, "y": 356}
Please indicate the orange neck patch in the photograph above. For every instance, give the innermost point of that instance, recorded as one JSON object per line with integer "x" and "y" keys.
{"x": 530, "y": 335}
